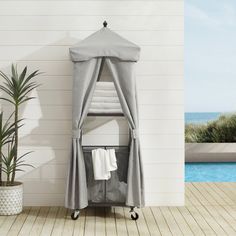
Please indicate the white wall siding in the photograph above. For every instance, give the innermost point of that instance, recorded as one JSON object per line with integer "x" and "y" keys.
{"x": 65, "y": 38}
{"x": 39, "y": 33}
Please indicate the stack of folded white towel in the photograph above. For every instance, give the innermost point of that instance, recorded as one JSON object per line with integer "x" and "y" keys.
{"x": 105, "y": 99}
{"x": 104, "y": 161}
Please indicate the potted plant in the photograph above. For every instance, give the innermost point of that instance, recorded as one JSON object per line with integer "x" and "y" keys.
{"x": 16, "y": 88}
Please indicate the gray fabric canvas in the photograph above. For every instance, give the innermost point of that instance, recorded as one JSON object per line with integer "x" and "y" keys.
{"x": 124, "y": 80}
{"x": 105, "y": 43}
{"x": 120, "y": 56}
{"x": 85, "y": 76}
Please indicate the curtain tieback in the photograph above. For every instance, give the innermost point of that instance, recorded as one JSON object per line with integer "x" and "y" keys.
{"x": 76, "y": 133}
{"x": 134, "y": 133}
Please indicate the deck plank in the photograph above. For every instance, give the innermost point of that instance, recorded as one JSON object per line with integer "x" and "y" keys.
{"x": 110, "y": 223}
{"x": 161, "y": 222}
{"x": 39, "y": 221}
{"x": 100, "y": 221}
{"x": 221, "y": 221}
{"x": 204, "y": 191}
{"x": 130, "y": 224}
{"x": 89, "y": 228}
{"x": 201, "y": 221}
{"x": 174, "y": 228}
{"x": 192, "y": 223}
{"x": 184, "y": 227}
{"x": 187, "y": 201}
{"x": 216, "y": 196}
{"x": 5, "y": 227}
{"x": 80, "y": 224}
{"x": 222, "y": 194}
{"x": 142, "y": 224}
{"x": 194, "y": 201}
{"x": 231, "y": 210}
{"x": 229, "y": 189}
{"x": 151, "y": 221}
{"x": 2, "y": 219}
{"x": 201, "y": 198}
{"x": 211, "y": 221}
{"x": 120, "y": 222}
{"x": 29, "y": 222}
{"x": 69, "y": 224}
{"x": 228, "y": 218}
{"x": 59, "y": 222}
{"x": 18, "y": 223}
{"x": 50, "y": 221}
{"x": 210, "y": 209}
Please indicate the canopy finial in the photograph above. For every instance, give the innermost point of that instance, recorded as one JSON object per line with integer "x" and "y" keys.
{"x": 105, "y": 24}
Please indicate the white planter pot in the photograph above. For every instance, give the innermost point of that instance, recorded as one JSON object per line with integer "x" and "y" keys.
{"x": 11, "y": 199}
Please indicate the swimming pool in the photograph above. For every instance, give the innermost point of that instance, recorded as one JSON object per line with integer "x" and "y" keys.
{"x": 210, "y": 172}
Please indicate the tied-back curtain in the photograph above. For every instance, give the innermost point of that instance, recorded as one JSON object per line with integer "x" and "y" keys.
{"x": 85, "y": 77}
{"x": 125, "y": 83}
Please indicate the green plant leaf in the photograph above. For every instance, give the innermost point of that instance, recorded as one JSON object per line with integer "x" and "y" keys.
{"x": 26, "y": 99}
{"x": 8, "y": 100}
{"x": 22, "y": 75}
{"x": 7, "y": 91}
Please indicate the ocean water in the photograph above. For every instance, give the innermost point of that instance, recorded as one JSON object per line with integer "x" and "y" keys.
{"x": 200, "y": 117}
{"x": 210, "y": 172}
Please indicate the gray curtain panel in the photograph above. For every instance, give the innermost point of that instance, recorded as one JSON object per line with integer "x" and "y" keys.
{"x": 125, "y": 83}
{"x": 120, "y": 55}
{"x": 85, "y": 77}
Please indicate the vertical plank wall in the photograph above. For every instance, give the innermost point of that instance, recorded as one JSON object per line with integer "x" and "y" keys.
{"x": 39, "y": 33}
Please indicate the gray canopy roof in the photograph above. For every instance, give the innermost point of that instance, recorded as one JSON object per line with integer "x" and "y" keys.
{"x": 105, "y": 43}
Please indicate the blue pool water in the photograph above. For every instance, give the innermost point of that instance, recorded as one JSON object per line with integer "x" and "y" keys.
{"x": 210, "y": 172}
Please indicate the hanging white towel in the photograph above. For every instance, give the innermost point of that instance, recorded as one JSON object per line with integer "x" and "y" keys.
{"x": 111, "y": 160}
{"x": 99, "y": 164}
{"x": 104, "y": 161}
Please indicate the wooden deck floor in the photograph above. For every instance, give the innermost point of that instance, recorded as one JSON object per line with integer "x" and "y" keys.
{"x": 210, "y": 210}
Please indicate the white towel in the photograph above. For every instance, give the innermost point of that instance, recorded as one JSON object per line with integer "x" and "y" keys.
{"x": 105, "y": 99}
{"x": 99, "y": 164}
{"x": 104, "y": 105}
{"x": 105, "y": 85}
{"x": 105, "y": 111}
{"x": 104, "y": 161}
{"x": 111, "y": 160}
{"x": 104, "y": 93}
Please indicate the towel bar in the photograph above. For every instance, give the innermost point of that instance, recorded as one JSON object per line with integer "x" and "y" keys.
{"x": 105, "y": 114}
{"x": 117, "y": 148}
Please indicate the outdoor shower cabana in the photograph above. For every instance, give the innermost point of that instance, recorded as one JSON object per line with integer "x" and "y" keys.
{"x": 120, "y": 55}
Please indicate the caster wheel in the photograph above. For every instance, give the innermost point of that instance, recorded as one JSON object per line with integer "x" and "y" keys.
{"x": 134, "y": 216}
{"x": 75, "y": 215}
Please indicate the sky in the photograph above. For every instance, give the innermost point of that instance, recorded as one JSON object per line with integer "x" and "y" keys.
{"x": 210, "y": 55}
